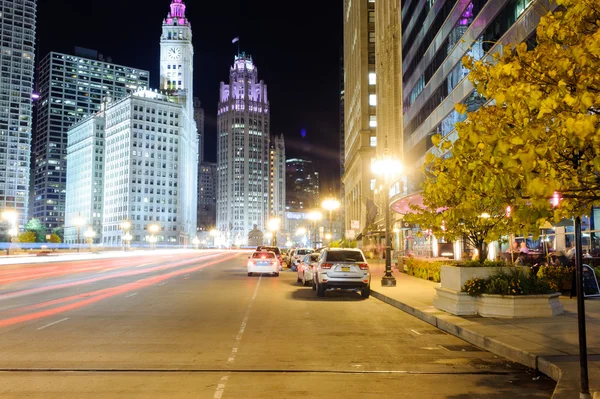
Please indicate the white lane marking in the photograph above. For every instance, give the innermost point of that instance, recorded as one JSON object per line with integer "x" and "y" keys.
{"x": 163, "y": 283}
{"x": 51, "y": 324}
{"x": 130, "y": 295}
{"x": 416, "y": 332}
{"x": 221, "y": 387}
{"x": 144, "y": 264}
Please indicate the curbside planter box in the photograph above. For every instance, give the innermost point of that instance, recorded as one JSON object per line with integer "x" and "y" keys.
{"x": 513, "y": 306}
{"x": 450, "y": 298}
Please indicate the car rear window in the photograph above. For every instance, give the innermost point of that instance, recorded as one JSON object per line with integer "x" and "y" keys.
{"x": 303, "y": 251}
{"x": 344, "y": 256}
{"x": 265, "y": 255}
{"x": 271, "y": 249}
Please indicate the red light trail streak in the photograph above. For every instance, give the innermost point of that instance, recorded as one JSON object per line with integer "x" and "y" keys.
{"x": 96, "y": 296}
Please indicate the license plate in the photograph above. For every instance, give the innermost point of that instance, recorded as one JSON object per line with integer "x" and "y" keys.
{"x": 345, "y": 268}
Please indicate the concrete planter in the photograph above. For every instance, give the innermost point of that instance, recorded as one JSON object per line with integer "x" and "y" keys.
{"x": 449, "y": 297}
{"x": 519, "y": 305}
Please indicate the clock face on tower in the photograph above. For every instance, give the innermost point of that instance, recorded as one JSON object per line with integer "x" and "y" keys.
{"x": 174, "y": 53}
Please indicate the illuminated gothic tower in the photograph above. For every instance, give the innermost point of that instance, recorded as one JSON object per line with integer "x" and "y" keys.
{"x": 242, "y": 152}
{"x": 177, "y": 55}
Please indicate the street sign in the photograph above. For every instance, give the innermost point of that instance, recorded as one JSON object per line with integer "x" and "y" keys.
{"x": 355, "y": 224}
{"x": 350, "y": 234}
{"x": 590, "y": 282}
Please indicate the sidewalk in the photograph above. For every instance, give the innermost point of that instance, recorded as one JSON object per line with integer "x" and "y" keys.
{"x": 549, "y": 345}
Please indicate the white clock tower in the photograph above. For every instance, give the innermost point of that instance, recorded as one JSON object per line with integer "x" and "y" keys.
{"x": 177, "y": 55}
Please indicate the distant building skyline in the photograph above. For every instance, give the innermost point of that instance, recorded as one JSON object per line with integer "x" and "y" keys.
{"x": 302, "y": 185}
{"x": 17, "y": 55}
{"x": 277, "y": 177}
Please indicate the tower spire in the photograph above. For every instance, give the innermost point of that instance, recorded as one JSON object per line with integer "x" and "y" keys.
{"x": 177, "y": 9}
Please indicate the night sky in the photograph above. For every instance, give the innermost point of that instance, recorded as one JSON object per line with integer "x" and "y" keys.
{"x": 295, "y": 46}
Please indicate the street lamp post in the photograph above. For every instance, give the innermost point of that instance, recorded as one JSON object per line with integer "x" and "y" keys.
{"x": 196, "y": 241}
{"x": 331, "y": 204}
{"x": 78, "y": 222}
{"x": 387, "y": 166}
{"x": 126, "y": 225}
{"x": 154, "y": 228}
{"x": 301, "y": 232}
{"x": 273, "y": 227}
{"x": 315, "y": 216}
{"x": 11, "y": 218}
{"x": 214, "y": 233}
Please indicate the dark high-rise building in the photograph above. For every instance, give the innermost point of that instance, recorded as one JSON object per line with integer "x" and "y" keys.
{"x": 71, "y": 87}
{"x": 17, "y": 53}
{"x": 302, "y": 185}
{"x": 207, "y": 196}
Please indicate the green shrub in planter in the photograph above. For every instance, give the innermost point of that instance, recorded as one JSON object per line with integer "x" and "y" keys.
{"x": 512, "y": 282}
{"x": 557, "y": 276}
{"x": 426, "y": 269}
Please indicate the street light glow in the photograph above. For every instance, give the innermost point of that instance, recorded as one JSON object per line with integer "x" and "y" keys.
{"x": 331, "y": 204}
{"x": 10, "y": 216}
{"x": 274, "y": 224}
{"x": 154, "y": 228}
{"x": 386, "y": 166}
{"x": 315, "y": 215}
{"x": 126, "y": 225}
{"x": 301, "y": 231}
{"x": 78, "y": 221}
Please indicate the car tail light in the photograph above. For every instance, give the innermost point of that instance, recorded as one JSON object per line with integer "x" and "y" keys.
{"x": 326, "y": 265}
{"x": 363, "y": 266}
{"x": 251, "y": 262}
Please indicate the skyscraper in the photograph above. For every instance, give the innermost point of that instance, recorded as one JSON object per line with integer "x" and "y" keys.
{"x": 207, "y": 195}
{"x": 302, "y": 185}
{"x": 151, "y": 151}
{"x": 199, "y": 119}
{"x": 17, "y": 24}
{"x": 71, "y": 88}
{"x": 435, "y": 37}
{"x": 242, "y": 152}
{"x": 360, "y": 119}
{"x": 277, "y": 177}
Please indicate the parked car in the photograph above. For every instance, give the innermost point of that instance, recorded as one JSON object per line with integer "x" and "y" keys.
{"x": 275, "y": 250}
{"x": 298, "y": 255}
{"x": 344, "y": 268}
{"x": 305, "y": 268}
{"x": 288, "y": 256}
{"x": 263, "y": 262}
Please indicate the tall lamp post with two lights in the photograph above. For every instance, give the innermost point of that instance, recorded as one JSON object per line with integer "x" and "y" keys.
{"x": 315, "y": 216}
{"x": 387, "y": 167}
{"x": 331, "y": 204}
{"x": 126, "y": 226}
{"x": 153, "y": 228}
{"x": 78, "y": 222}
{"x": 273, "y": 228}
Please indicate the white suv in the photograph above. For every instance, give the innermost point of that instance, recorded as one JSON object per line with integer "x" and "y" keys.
{"x": 342, "y": 268}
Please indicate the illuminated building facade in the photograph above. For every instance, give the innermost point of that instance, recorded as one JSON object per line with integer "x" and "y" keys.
{"x": 302, "y": 185}
{"x": 17, "y": 26}
{"x": 243, "y": 124}
{"x": 277, "y": 177}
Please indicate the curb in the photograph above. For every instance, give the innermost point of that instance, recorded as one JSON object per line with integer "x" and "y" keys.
{"x": 494, "y": 346}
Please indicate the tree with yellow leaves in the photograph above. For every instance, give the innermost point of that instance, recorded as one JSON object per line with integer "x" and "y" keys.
{"x": 541, "y": 133}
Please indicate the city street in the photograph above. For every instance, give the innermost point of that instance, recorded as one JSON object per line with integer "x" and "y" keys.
{"x": 192, "y": 324}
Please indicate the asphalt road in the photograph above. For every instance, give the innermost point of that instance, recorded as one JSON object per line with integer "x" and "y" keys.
{"x": 194, "y": 325}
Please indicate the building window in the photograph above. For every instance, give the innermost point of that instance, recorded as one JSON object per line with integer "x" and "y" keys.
{"x": 373, "y": 141}
{"x": 371, "y": 37}
{"x": 372, "y": 185}
{"x": 372, "y": 78}
{"x": 371, "y": 17}
{"x": 373, "y": 99}
{"x": 372, "y": 121}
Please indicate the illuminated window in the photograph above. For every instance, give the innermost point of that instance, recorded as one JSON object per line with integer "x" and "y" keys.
{"x": 373, "y": 99}
{"x": 373, "y": 141}
{"x": 373, "y": 182}
{"x": 372, "y": 78}
{"x": 373, "y": 121}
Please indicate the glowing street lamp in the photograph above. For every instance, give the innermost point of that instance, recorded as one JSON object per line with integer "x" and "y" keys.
{"x": 13, "y": 231}
{"x": 196, "y": 241}
{"x": 78, "y": 221}
{"x": 89, "y": 235}
{"x": 315, "y": 216}
{"x": 126, "y": 225}
{"x": 273, "y": 225}
{"x": 387, "y": 166}
{"x": 214, "y": 234}
{"x": 331, "y": 205}
{"x": 153, "y": 228}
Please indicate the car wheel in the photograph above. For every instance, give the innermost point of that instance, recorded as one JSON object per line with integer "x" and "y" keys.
{"x": 366, "y": 292}
{"x": 304, "y": 281}
{"x": 249, "y": 274}
{"x": 276, "y": 275}
{"x": 298, "y": 280}
{"x": 314, "y": 285}
{"x": 320, "y": 290}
